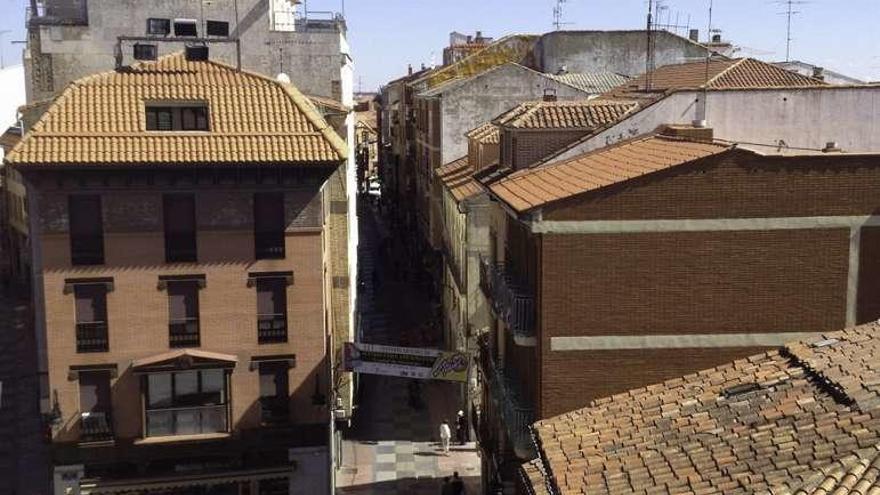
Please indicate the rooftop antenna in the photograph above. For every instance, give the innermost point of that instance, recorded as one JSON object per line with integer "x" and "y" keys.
{"x": 790, "y": 12}
{"x": 558, "y": 15}
{"x": 3, "y": 48}
{"x": 649, "y": 51}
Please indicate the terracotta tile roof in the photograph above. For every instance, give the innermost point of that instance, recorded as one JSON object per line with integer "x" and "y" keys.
{"x": 722, "y": 74}
{"x": 592, "y": 82}
{"x": 534, "y": 477}
{"x": 456, "y": 176}
{"x": 768, "y": 423}
{"x": 530, "y": 188}
{"x": 100, "y": 119}
{"x": 575, "y": 114}
{"x": 487, "y": 133}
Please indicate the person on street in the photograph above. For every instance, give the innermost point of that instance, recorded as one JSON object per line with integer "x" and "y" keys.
{"x": 461, "y": 428}
{"x": 445, "y": 435}
{"x": 457, "y": 485}
{"x": 446, "y": 488}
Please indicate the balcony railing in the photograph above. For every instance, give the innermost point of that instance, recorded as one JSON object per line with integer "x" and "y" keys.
{"x": 96, "y": 427}
{"x": 56, "y": 12}
{"x": 269, "y": 245}
{"x": 272, "y": 328}
{"x": 184, "y": 333}
{"x": 92, "y": 337}
{"x": 517, "y": 415}
{"x": 512, "y": 303}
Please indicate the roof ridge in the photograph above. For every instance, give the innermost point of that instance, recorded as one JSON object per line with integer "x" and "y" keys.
{"x": 729, "y": 68}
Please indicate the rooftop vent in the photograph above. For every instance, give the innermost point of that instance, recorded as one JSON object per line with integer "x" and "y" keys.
{"x": 741, "y": 389}
{"x": 197, "y": 53}
{"x": 831, "y": 147}
{"x": 145, "y": 51}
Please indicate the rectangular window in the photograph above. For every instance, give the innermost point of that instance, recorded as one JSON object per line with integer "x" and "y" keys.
{"x": 94, "y": 406}
{"x": 86, "y": 230}
{"x": 158, "y": 27}
{"x": 183, "y": 314}
{"x": 185, "y": 27}
{"x": 269, "y": 225}
{"x": 186, "y": 403}
{"x": 177, "y": 118}
{"x": 91, "y": 318}
{"x": 217, "y": 28}
{"x": 179, "y": 211}
{"x": 145, "y": 51}
{"x": 274, "y": 392}
{"x": 271, "y": 310}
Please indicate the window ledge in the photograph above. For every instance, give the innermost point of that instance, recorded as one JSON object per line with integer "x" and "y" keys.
{"x": 182, "y": 438}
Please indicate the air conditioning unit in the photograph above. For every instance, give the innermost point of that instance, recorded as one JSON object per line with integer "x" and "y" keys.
{"x": 197, "y": 52}
{"x": 145, "y": 51}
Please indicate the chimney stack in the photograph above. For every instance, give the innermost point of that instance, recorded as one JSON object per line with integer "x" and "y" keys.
{"x": 716, "y": 38}
{"x": 831, "y": 147}
{"x": 694, "y": 35}
{"x": 549, "y": 94}
{"x": 819, "y": 73}
{"x": 409, "y": 69}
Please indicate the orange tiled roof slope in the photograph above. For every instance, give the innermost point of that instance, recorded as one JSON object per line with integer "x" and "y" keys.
{"x": 718, "y": 74}
{"x": 100, "y": 119}
{"x": 778, "y": 422}
{"x": 565, "y": 114}
{"x": 534, "y": 187}
{"x": 456, "y": 176}
{"x": 487, "y": 133}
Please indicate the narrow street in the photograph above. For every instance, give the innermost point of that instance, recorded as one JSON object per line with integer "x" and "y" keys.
{"x": 392, "y": 447}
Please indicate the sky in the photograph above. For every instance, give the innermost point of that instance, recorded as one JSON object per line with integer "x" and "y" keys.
{"x": 386, "y": 35}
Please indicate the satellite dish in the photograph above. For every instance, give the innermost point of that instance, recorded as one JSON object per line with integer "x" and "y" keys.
{"x": 283, "y": 78}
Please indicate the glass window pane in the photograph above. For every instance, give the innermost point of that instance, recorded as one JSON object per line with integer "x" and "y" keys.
{"x": 160, "y": 423}
{"x": 182, "y": 300}
{"x": 187, "y": 422}
{"x": 186, "y": 388}
{"x": 94, "y": 391}
{"x": 159, "y": 388}
{"x": 213, "y": 387}
{"x": 213, "y": 419}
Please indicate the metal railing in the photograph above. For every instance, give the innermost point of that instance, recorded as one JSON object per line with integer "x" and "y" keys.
{"x": 272, "y": 328}
{"x": 55, "y": 12}
{"x": 269, "y": 245}
{"x": 87, "y": 249}
{"x": 184, "y": 332}
{"x": 517, "y": 415}
{"x": 511, "y": 302}
{"x": 92, "y": 337}
{"x": 95, "y": 427}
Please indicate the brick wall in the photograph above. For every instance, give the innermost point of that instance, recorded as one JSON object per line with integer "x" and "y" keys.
{"x": 679, "y": 283}
{"x": 138, "y": 310}
{"x": 740, "y": 185}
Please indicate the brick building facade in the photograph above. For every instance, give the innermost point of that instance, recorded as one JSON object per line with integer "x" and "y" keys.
{"x": 662, "y": 256}
{"x": 178, "y": 247}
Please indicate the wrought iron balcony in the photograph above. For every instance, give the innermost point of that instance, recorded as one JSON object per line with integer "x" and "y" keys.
{"x": 184, "y": 332}
{"x": 517, "y": 414}
{"x": 92, "y": 337}
{"x": 95, "y": 427}
{"x": 272, "y": 328}
{"x": 511, "y": 302}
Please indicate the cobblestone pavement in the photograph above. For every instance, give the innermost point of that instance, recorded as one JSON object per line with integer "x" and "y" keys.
{"x": 23, "y": 454}
{"x": 393, "y": 448}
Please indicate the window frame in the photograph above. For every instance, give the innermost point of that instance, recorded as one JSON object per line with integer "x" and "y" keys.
{"x": 175, "y": 407}
{"x": 174, "y": 252}
{"x": 88, "y": 239}
{"x": 275, "y": 408}
{"x": 269, "y": 238}
{"x": 175, "y": 117}
{"x": 92, "y": 335}
{"x": 191, "y": 288}
{"x": 161, "y": 21}
{"x": 272, "y": 328}
{"x": 180, "y": 23}
{"x": 211, "y": 28}
{"x": 96, "y": 424}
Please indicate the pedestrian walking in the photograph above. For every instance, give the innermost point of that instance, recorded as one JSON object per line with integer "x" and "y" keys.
{"x": 461, "y": 428}
{"x": 457, "y": 485}
{"x": 445, "y": 435}
{"x": 446, "y": 488}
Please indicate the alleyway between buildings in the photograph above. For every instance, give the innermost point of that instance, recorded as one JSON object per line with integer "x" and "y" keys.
{"x": 392, "y": 447}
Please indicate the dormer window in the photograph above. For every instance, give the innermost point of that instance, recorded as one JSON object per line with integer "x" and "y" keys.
{"x": 182, "y": 117}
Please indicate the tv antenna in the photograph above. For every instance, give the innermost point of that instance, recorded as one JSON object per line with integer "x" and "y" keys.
{"x": 649, "y": 51}
{"x": 790, "y": 6}
{"x": 558, "y": 15}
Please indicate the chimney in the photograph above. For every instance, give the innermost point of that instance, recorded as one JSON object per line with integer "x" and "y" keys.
{"x": 549, "y": 94}
{"x": 409, "y": 69}
{"x": 423, "y": 66}
{"x": 819, "y": 73}
{"x": 716, "y": 38}
{"x": 688, "y": 132}
{"x": 694, "y": 35}
{"x": 479, "y": 35}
